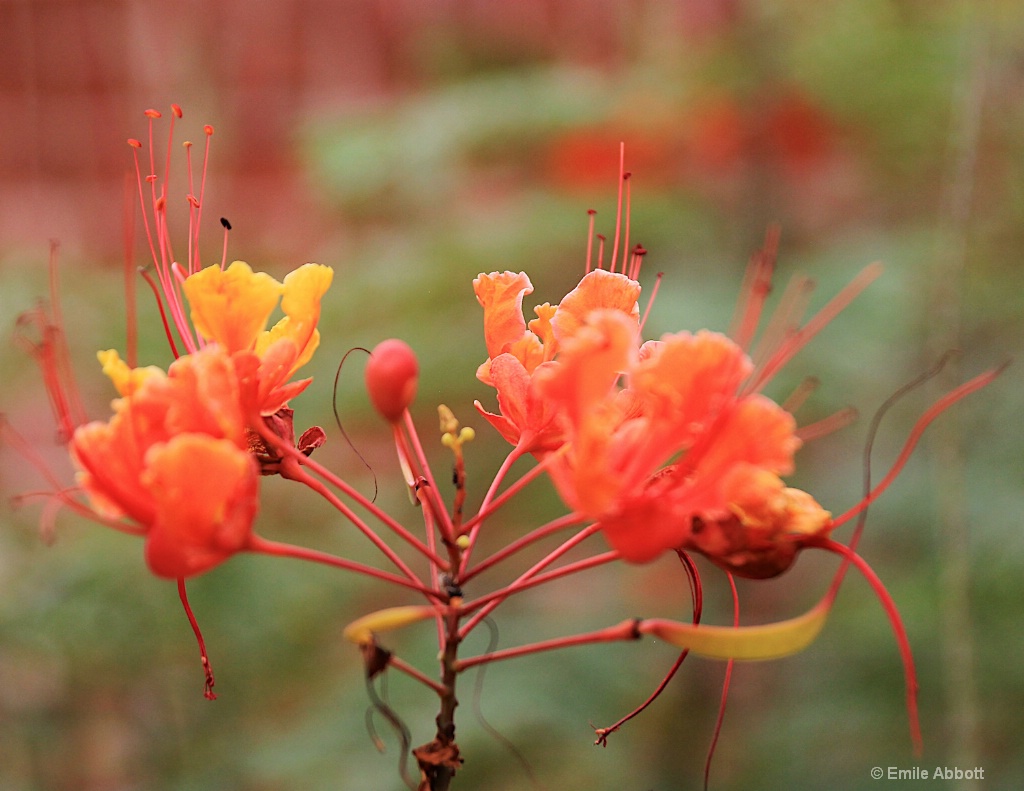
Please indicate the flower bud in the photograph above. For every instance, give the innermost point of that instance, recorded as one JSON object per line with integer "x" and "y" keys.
{"x": 391, "y": 378}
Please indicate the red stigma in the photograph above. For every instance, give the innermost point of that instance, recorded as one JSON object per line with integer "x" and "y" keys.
{"x": 176, "y": 109}
{"x": 208, "y": 130}
{"x": 151, "y": 113}
{"x": 134, "y": 143}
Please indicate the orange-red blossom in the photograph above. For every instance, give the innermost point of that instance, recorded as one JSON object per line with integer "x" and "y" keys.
{"x": 176, "y": 457}
{"x": 676, "y": 457}
{"x": 660, "y": 443}
{"x": 518, "y": 351}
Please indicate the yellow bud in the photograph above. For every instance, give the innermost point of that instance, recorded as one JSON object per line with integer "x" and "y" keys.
{"x": 449, "y": 425}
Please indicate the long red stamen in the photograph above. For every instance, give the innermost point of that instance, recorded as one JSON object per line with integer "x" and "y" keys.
{"x": 163, "y": 316}
{"x": 902, "y": 641}
{"x": 208, "y": 692}
{"x": 781, "y": 328}
{"x": 208, "y": 131}
{"x": 590, "y": 239}
{"x": 725, "y": 685}
{"x": 618, "y": 205}
{"x": 922, "y": 423}
{"x": 757, "y": 285}
{"x": 61, "y": 354}
{"x": 625, "y": 236}
{"x": 827, "y": 425}
{"x": 696, "y": 596}
{"x": 131, "y": 314}
{"x": 60, "y": 492}
{"x": 801, "y": 337}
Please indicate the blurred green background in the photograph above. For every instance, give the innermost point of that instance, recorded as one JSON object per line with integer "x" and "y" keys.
{"x": 411, "y": 145}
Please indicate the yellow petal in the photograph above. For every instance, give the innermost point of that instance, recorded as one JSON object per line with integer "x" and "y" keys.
{"x": 126, "y": 380}
{"x": 749, "y": 643}
{"x": 303, "y": 290}
{"x": 231, "y": 306}
{"x": 362, "y": 630}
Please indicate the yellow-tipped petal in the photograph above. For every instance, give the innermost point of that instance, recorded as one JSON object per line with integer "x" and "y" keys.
{"x": 748, "y": 643}
{"x": 362, "y": 630}
{"x": 126, "y": 380}
{"x": 231, "y": 306}
{"x": 303, "y": 289}
{"x": 302, "y": 292}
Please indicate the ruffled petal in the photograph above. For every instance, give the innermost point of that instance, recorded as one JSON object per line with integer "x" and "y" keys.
{"x": 501, "y": 296}
{"x": 303, "y": 291}
{"x": 598, "y": 290}
{"x": 231, "y": 306}
{"x": 205, "y": 492}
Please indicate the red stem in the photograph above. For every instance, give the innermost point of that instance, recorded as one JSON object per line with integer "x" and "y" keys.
{"x": 320, "y": 488}
{"x": 409, "y": 670}
{"x": 626, "y": 630}
{"x": 278, "y": 549}
{"x": 490, "y": 601}
{"x": 555, "y": 526}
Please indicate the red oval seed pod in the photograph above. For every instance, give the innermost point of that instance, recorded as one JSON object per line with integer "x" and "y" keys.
{"x": 392, "y": 375}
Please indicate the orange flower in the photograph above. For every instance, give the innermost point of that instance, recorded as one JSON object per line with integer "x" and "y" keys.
{"x": 228, "y": 305}
{"x": 231, "y": 307}
{"x": 678, "y": 455}
{"x": 518, "y": 351}
{"x": 174, "y": 459}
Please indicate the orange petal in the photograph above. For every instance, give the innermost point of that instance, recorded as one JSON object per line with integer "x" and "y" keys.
{"x": 598, "y": 290}
{"x": 501, "y": 296}
{"x": 757, "y": 431}
{"x": 684, "y": 379}
{"x": 589, "y": 365}
{"x": 204, "y": 396}
{"x": 206, "y": 496}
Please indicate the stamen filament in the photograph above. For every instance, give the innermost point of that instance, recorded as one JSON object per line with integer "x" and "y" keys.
{"x": 922, "y": 423}
{"x": 208, "y": 692}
